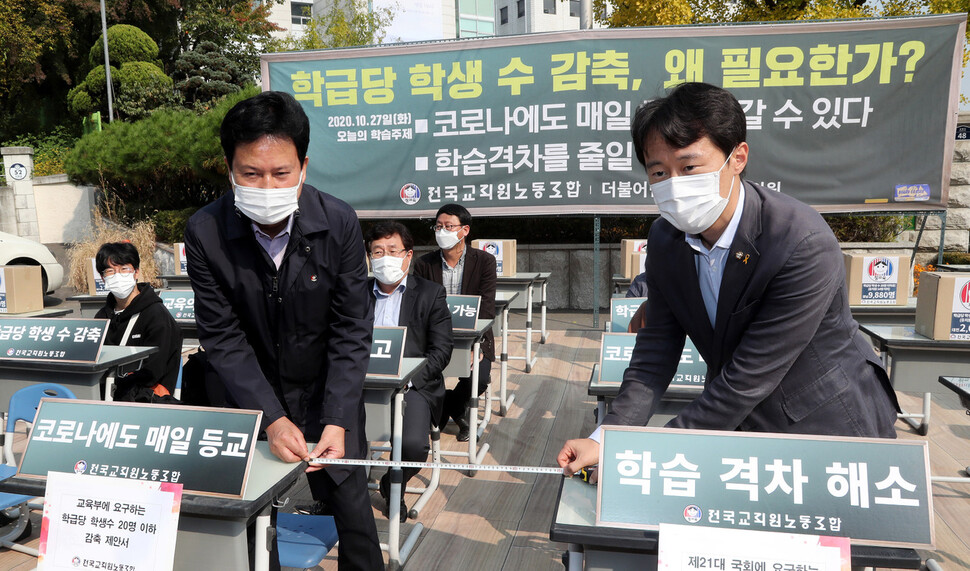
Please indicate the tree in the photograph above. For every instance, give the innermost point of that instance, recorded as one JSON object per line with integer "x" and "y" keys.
{"x": 205, "y": 73}
{"x": 346, "y": 23}
{"x": 138, "y": 81}
{"x": 239, "y": 28}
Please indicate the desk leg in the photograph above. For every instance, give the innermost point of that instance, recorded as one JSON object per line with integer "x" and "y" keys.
{"x": 528, "y": 331}
{"x": 923, "y": 426}
{"x": 505, "y": 401}
{"x": 475, "y": 455}
{"x": 396, "y": 477}
{"x": 542, "y": 306}
{"x": 262, "y": 547}
{"x": 574, "y": 557}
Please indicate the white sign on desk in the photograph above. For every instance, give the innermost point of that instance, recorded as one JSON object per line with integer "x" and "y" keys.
{"x": 96, "y": 522}
{"x": 689, "y": 548}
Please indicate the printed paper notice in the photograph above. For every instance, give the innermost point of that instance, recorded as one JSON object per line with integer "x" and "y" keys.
{"x": 96, "y": 522}
{"x": 688, "y": 548}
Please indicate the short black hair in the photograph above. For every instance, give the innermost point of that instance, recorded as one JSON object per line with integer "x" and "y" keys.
{"x": 273, "y": 113}
{"x": 689, "y": 112}
{"x": 386, "y": 229}
{"x": 117, "y": 253}
{"x": 458, "y": 210}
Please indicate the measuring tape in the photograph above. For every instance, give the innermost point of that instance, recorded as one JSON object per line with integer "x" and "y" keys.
{"x": 449, "y": 466}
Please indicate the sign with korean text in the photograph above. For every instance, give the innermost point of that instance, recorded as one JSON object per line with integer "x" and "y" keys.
{"x": 39, "y": 339}
{"x": 95, "y": 522}
{"x": 99, "y": 286}
{"x": 180, "y": 303}
{"x": 540, "y": 124}
{"x": 690, "y": 548}
{"x": 875, "y": 491}
{"x": 616, "y": 350}
{"x": 207, "y": 450}
{"x": 464, "y": 311}
{"x": 387, "y": 351}
{"x": 622, "y": 310}
{"x": 960, "y": 318}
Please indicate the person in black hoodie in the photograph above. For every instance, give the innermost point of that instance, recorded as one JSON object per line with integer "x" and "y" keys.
{"x": 138, "y": 318}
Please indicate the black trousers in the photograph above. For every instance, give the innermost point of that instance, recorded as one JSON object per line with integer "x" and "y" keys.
{"x": 350, "y": 502}
{"x": 416, "y": 439}
{"x": 456, "y": 399}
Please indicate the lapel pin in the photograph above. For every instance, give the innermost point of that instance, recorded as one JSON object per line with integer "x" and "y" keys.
{"x": 739, "y": 255}
{"x": 313, "y": 278}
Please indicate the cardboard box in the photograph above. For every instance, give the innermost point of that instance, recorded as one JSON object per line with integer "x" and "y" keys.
{"x": 943, "y": 305}
{"x": 627, "y": 248}
{"x": 504, "y": 252}
{"x": 21, "y": 289}
{"x": 181, "y": 267}
{"x": 877, "y": 279}
{"x": 638, "y": 264}
{"x": 95, "y": 281}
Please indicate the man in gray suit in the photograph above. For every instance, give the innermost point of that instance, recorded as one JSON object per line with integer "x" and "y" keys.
{"x": 755, "y": 278}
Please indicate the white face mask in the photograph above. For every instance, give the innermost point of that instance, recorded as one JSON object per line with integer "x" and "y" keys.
{"x": 121, "y": 285}
{"x": 388, "y": 269}
{"x": 692, "y": 203}
{"x": 266, "y": 205}
{"x": 446, "y": 240}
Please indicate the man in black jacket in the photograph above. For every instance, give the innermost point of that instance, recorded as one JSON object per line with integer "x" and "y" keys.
{"x": 138, "y": 318}
{"x": 283, "y": 309}
{"x": 462, "y": 271}
{"x": 420, "y": 305}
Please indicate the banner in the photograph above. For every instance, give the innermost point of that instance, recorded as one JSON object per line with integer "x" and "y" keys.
{"x": 845, "y": 115}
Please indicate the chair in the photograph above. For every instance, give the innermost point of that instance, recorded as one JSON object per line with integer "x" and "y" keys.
{"x": 23, "y": 406}
{"x": 304, "y": 540}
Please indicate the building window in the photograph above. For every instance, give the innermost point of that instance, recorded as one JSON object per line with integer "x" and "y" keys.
{"x": 520, "y": 7}
{"x": 549, "y": 6}
{"x": 574, "y": 8}
{"x": 476, "y": 18}
{"x": 300, "y": 13}
{"x": 504, "y": 15}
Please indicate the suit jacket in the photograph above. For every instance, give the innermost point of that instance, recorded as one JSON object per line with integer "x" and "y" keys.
{"x": 478, "y": 278}
{"x": 294, "y": 341}
{"x": 784, "y": 355}
{"x": 424, "y": 311}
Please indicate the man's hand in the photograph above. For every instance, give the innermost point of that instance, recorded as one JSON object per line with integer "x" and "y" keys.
{"x": 286, "y": 441}
{"x": 331, "y": 445}
{"x": 577, "y": 454}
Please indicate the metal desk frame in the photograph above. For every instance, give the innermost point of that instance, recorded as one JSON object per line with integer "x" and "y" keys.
{"x": 524, "y": 282}
{"x": 465, "y": 340}
{"x": 48, "y": 312}
{"x": 502, "y": 301}
{"x": 397, "y": 552}
{"x": 909, "y": 357}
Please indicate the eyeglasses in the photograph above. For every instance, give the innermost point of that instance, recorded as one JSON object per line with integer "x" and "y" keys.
{"x": 448, "y": 227}
{"x": 126, "y": 270}
{"x": 379, "y": 253}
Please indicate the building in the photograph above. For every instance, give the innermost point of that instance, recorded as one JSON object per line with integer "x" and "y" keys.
{"x": 530, "y": 16}
{"x": 290, "y": 16}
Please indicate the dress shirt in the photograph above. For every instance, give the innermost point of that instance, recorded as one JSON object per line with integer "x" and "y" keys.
{"x": 451, "y": 276}
{"x": 275, "y": 246}
{"x": 710, "y": 263}
{"x": 387, "y": 310}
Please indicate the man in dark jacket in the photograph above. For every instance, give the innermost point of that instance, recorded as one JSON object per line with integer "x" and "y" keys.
{"x": 420, "y": 305}
{"x": 462, "y": 271}
{"x": 138, "y": 318}
{"x": 283, "y": 309}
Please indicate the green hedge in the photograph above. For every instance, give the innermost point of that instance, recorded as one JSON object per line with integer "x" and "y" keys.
{"x": 125, "y": 44}
{"x": 170, "y": 224}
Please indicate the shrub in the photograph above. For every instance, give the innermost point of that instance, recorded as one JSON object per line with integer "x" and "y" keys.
{"x": 50, "y": 150}
{"x": 125, "y": 44}
{"x": 958, "y": 258}
{"x": 170, "y": 224}
{"x": 862, "y": 228}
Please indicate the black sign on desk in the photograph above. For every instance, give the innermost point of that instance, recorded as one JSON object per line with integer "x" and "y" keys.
{"x": 40, "y": 339}
{"x": 387, "y": 351}
{"x": 180, "y": 303}
{"x": 207, "y": 450}
{"x": 464, "y": 311}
